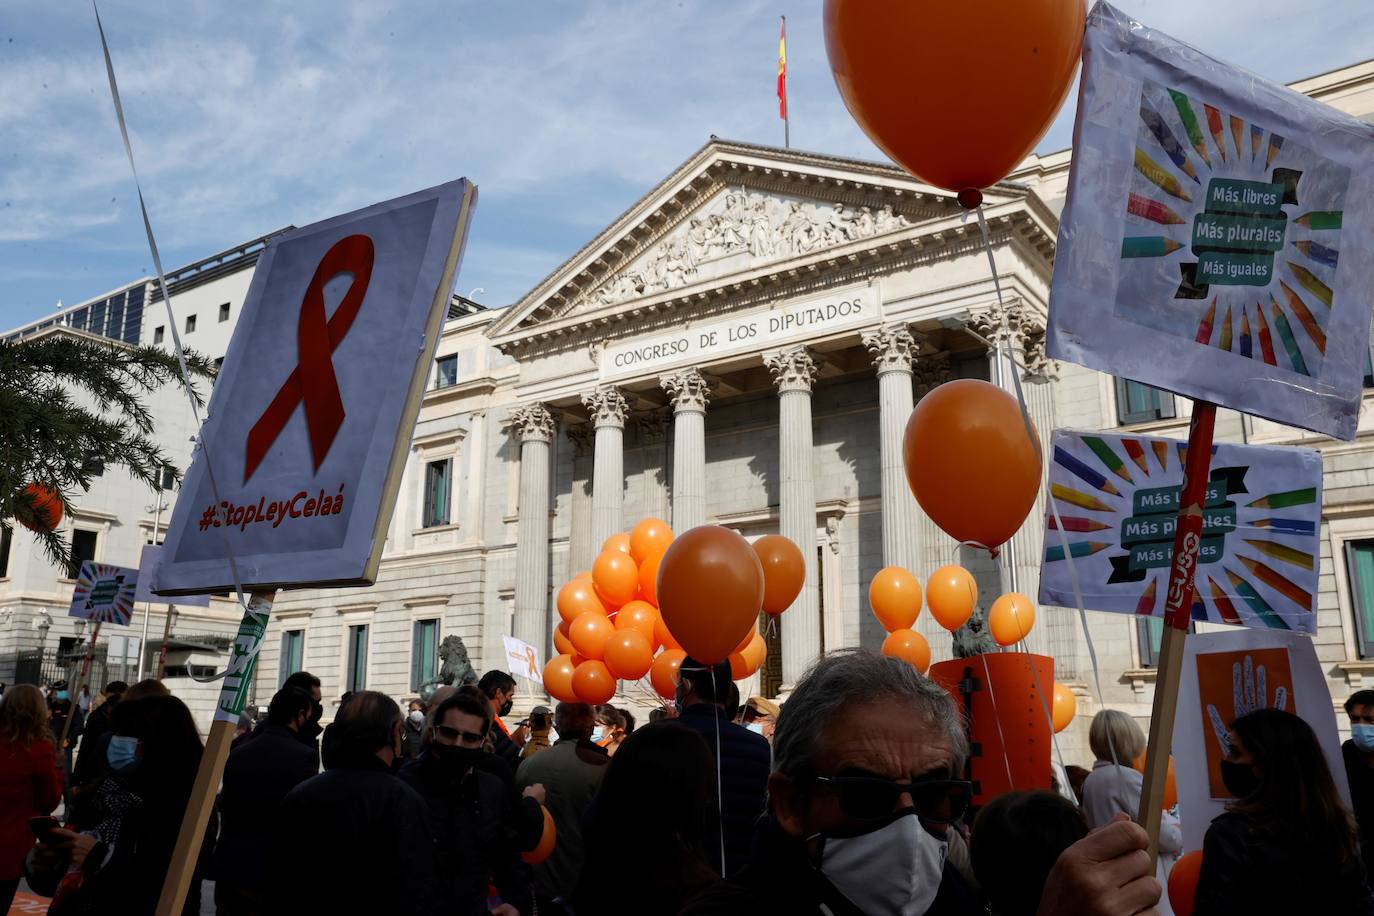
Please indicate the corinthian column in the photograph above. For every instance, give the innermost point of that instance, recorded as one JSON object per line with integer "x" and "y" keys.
{"x": 794, "y": 371}
{"x": 609, "y": 410}
{"x": 534, "y": 426}
{"x": 892, "y": 348}
{"x": 689, "y": 393}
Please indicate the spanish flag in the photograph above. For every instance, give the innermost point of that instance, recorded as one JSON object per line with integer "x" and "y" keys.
{"x": 782, "y": 70}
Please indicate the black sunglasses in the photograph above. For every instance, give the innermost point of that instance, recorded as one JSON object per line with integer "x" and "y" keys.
{"x": 868, "y": 798}
{"x": 453, "y": 734}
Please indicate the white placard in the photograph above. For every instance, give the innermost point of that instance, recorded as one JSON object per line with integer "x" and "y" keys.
{"x": 312, "y": 415}
{"x": 147, "y": 563}
{"x": 787, "y": 322}
{"x": 523, "y": 659}
{"x": 104, "y": 593}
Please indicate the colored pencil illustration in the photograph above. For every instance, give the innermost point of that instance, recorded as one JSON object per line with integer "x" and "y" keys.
{"x": 1190, "y": 125}
{"x": 1278, "y": 582}
{"x": 1246, "y": 347}
{"x": 1275, "y": 144}
{"x": 1157, "y": 175}
{"x": 1078, "y": 550}
{"x": 1225, "y": 609}
{"x": 1146, "y": 603}
{"x": 1214, "y": 126}
{"x": 1108, "y": 457}
{"x": 1162, "y": 453}
{"x": 1225, "y": 342}
{"x": 1204, "y": 327}
{"x": 1148, "y": 246}
{"x": 1286, "y": 335}
{"x": 1284, "y": 552}
{"x": 1087, "y": 474}
{"x": 1237, "y": 129}
{"x": 1257, "y": 603}
{"x": 1317, "y": 253}
{"x": 1285, "y": 499}
{"x": 1137, "y": 455}
{"x": 1266, "y": 341}
{"x": 1286, "y": 525}
{"x": 1300, "y": 311}
{"x": 1081, "y": 525}
{"x": 1256, "y": 132}
{"x": 1076, "y": 498}
{"x": 1320, "y": 219}
{"x": 1310, "y": 282}
{"x": 1152, "y": 210}
{"x": 1166, "y": 139}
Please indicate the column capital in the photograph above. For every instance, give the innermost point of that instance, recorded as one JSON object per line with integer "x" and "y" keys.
{"x": 1039, "y": 367}
{"x": 892, "y": 347}
{"x": 608, "y": 407}
{"x": 532, "y": 423}
{"x": 793, "y": 369}
{"x": 688, "y": 390}
{"x": 932, "y": 371}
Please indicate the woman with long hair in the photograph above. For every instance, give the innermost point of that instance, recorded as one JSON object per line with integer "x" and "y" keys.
{"x": 1287, "y": 843}
{"x": 30, "y": 779}
{"x": 645, "y": 831}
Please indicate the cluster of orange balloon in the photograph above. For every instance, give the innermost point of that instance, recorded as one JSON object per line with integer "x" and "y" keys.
{"x": 895, "y": 597}
{"x": 649, "y": 593}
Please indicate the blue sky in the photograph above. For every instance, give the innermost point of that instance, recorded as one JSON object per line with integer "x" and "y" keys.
{"x": 249, "y": 117}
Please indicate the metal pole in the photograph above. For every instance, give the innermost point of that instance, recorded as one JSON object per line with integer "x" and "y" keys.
{"x": 148, "y": 605}
{"x": 1008, "y": 549}
{"x": 787, "y": 108}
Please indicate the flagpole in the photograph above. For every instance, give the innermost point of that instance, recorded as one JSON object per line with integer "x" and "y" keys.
{"x": 786, "y": 112}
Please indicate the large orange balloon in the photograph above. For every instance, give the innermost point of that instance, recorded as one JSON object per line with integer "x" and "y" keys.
{"x": 547, "y": 841}
{"x": 663, "y": 673}
{"x": 618, "y": 542}
{"x": 648, "y": 579}
{"x": 910, "y": 646}
{"x": 710, "y": 591}
{"x": 1183, "y": 882}
{"x": 784, "y": 572}
{"x": 951, "y": 595}
{"x": 662, "y": 636}
{"x": 1064, "y": 707}
{"x": 558, "y": 675}
{"x": 895, "y": 596}
{"x": 638, "y": 615}
{"x": 593, "y": 682}
{"x": 1011, "y": 618}
{"x": 47, "y": 509}
{"x": 589, "y": 632}
{"x": 649, "y": 538}
{"x": 628, "y": 654}
{"x": 615, "y": 578}
{"x": 1170, "y": 787}
{"x": 974, "y": 136}
{"x": 969, "y": 461}
{"x": 756, "y": 652}
{"x": 578, "y": 597}
{"x": 561, "y": 642}
{"x": 584, "y": 576}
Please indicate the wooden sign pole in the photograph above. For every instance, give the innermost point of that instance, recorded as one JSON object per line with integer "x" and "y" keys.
{"x": 166, "y": 637}
{"x": 75, "y": 694}
{"x": 243, "y": 663}
{"x": 1178, "y": 608}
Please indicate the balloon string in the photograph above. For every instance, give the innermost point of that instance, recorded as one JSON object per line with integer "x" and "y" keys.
{"x": 997, "y": 718}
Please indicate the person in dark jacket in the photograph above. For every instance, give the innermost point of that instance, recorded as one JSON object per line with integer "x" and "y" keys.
{"x": 744, "y": 762}
{"x": 354, "y": 839}
{"x": 499, "y": 688}
{"x": 1287, "y": 844}
{"x": 415, "y": 729}
{"x": 1358, "y": 753}
{"x": 90, "y": 757}
{"x": 468, "y": 813}
{"x": 1017, "y": 838}
{"x": 257, "y": 776}
{"x": 310, "y": 735}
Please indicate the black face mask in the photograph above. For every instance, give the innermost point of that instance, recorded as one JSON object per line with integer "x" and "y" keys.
{"x": 1239, "y": 778}
{"x": 507, "y": 706}
{"x": 454, "y": 761}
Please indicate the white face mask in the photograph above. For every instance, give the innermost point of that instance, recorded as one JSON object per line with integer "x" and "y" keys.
{"x": 417, "y": 717}
{"x": 755, "y": 727}
{"x": 597, "y": 734}
{"x": 893, "y": 870}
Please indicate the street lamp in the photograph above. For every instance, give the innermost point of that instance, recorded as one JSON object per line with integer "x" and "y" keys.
{"x": 80, "y": 629}
{"x": 43, "y": 625}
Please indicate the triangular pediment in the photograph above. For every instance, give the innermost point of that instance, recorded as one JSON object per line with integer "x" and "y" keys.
{"x": 731, "y": 210}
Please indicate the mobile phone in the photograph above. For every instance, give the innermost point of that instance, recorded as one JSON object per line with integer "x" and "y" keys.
{"x": 43, "y": 827}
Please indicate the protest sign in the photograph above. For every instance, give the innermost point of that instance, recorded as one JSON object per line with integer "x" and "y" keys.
{"x": 104, "y": 593}
{"x": 1118, "y": 499}
{"x": 1217, "y": 236}
{"x": 523, "y": 659}
{"x": 147, "y": 563}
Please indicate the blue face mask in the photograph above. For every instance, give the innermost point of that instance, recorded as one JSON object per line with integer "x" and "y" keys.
{"x": 122, "y": 754}
{"x": 61, "y": 694}
{"x": 755, "y": 727}
{"x": 1363, "y": 736}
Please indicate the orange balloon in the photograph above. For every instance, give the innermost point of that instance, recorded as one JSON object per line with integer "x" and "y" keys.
{"x": 577, "y": 598}
{"x": 951, "y": 594}
{"x": 895, "y": 596}
{"x": 1011, "y": 618}
{"x": 969, "y": 461}
{"x": 547, "y": 841}
{"x": 756, "y": 652}
{"x": 910, "y": 646}
{"x": 744, "y": 643}
{"x": 1170, "y": 787}
{"x": 663, "y": 673}
{"x": 561, "y": 642}
{"x": 615, "y": 577}
{"x": 662, "y": 636}
{"x": 618, "y": 542}
{"x": 1183, "y": 882}
{"x": 638, "y": 615}
{"x": 1063, "y": 708}
{"x": 628, "y": 654}
{"x": 584, "y": 576}
{"x": 648, "y": 579}
{"x": 710, "y": 591}
{"x": 974, "y": 137}
{"x": 784, "y": 572}
{"x": 593, "y": 682}
{"x": 589, "y": 632}
{"x": 558, "y": 675}
{"x": 739, "y": 666}
{"x": 649, "y": 538}
{"x": 47, "y": 509}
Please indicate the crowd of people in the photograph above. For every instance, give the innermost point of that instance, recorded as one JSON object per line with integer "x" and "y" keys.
{"x": 849, "y": 799}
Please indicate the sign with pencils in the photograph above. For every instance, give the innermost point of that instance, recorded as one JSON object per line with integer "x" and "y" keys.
{"x": 1216, "y": 240}
{"x": 1117, "y": 500}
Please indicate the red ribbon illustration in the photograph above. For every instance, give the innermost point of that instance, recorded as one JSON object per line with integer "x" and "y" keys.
{"x": 313, "y": 382}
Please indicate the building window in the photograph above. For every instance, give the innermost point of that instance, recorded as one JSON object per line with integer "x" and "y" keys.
{"x": 190, "y": 323}
{"x": 1137, "y": 403}
{"x": 437, "y": 486}
{"x": 6, "y": 539}
{"x": 169, "y": 479}
{"x": 355, "y": 678}
{"x": 292, "y": 654}
{"x": 1359, "y": 563}
{"x": 224, "y": 311}
{"x": 83, "y": 549}
{"x": 1149, "y": 633}
{"x": 424, "y": 652}
{"x": 158, "y": 333}
{"x": 446, "y": 371}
